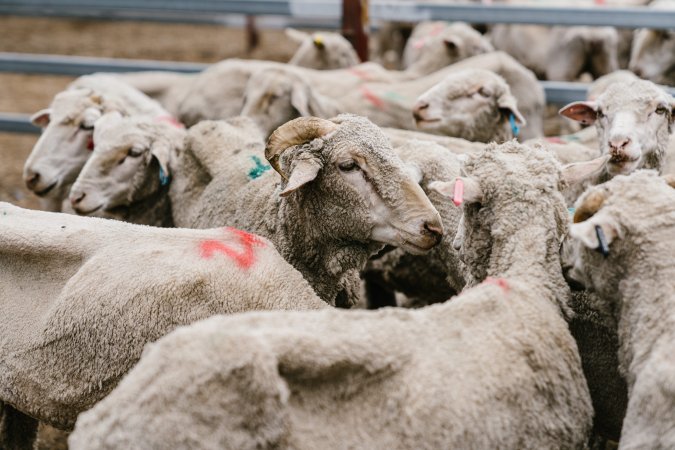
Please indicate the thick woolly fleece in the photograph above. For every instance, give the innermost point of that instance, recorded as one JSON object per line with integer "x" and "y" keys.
{"x": 495, "y": 367}
{"x": 324, "y": 228}
{"x": 82, "y": 296}
{"x": 637, "y": 282}
{"x": 439, "y": 274}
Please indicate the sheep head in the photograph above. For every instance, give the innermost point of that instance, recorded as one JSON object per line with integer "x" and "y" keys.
{"x": 360, "y": 191}
{"x": 130, "y": 162}
{"x": 473, "y": 104}
{"x": 622, "y": 218}
{"x": 633, "y": 119}
{"x": 65, "y": 143}
{"x": 653, "y": 55}
{"x": 322, "y": 51}
{"x": 275, "y": 96}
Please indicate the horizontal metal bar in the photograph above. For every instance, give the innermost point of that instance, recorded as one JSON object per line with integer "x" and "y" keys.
{"x": 402, "y": 10}
{"x": 80, "y": 65}
{"x": 17, "y": 123}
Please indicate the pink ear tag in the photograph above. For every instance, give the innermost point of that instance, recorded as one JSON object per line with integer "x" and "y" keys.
{"x": 458, "y": 195}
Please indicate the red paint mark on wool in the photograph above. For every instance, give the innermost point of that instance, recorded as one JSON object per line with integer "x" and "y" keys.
{"x": 90, "y": 143}
{"x": 501, "y": 282}
{"x": 372, "y": 98}
{"x": 244, "y": 258}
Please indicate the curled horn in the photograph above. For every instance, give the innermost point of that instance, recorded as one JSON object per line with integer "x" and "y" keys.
{"x": 297, "y": 131}
{"x": 592, "y": 203}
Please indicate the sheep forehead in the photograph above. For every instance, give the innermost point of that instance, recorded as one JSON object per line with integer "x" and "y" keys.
{"x": 637, "y": 96}
{"x": 469, "y": 81}
{"x": 359, "y": 137}
{"x": 69, "y": 105}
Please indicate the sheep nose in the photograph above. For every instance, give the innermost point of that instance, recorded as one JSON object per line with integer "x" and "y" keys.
{"x": 638, "y": 72}
{"x": 32, "y": 179}
{"x": 76, "y": 198}
{"x": 618, "y": 144}
{"x": 418, "y": 108}
{"x": 434, "y": 230}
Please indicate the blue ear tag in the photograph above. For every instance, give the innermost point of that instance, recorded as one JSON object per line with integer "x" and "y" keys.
{"x": 571, "y": 211}
{"x": 163, "y": 178}
{"x": 514, "y": 128}
{"x": 602, "y": 241}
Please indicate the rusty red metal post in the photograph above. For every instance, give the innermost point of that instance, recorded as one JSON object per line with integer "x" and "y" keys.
{"x": 355, "y": 25}
{"x": 252, "y": 35}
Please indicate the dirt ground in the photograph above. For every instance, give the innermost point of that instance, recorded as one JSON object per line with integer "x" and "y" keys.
{"x": 23, "y": 93}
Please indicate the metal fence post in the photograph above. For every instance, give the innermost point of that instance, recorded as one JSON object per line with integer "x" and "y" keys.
{"x": 355, "y": 25}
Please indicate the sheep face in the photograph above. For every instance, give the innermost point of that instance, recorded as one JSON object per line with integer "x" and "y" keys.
{"x": 358, "y": 189}
{"x": 653, "y": 55}
{"x": 130, "y": 160}
{"x": 633, "y": 120}
{"x": 476, "y": 105}
{"x": 273, "y": 97}
{"x": 65, "y": 143}
{"x": 322, "y": 51}
{"x": 624, "y": 212}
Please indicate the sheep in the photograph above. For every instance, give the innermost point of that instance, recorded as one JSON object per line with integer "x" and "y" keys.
{"x": 633, "y": 122}
{"x": 653, "y": 52}
{"x": 473, "y": 104}
{"x": 82, "y": 296}
{"x": 274, "y": 96}
{"x": 353, "y": 174}
{"x": 629, "y": 267}
{"x": 434, "y": 45}
{"x": 561, "y": 53}
{"x": 322, "y": 51}
{"x": 67, "y": 124}
{"x": 426, "y": 378}
{"x": 424, "y": 279}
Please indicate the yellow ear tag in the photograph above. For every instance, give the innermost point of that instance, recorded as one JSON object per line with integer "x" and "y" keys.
{"x": 318, "y": 40}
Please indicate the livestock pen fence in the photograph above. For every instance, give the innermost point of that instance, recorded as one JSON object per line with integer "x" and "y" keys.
{"x": 307, "y": 13}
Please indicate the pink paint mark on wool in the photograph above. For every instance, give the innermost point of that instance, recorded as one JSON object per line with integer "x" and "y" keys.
{"x": 555, "y": 140}
{"x": 244, "y": 258}
{"x": 372, "y": 98}
{"x": 170, "y": 120}
{"x": 458, "y": 195}
{"x": 501, "y": 282}
{"x": 358, "y": 73}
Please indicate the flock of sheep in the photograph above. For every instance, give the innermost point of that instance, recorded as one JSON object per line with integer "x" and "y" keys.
{"x": 278, "y": 195}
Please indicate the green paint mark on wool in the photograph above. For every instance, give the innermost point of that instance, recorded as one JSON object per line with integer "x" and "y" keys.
{"x": 393, "y": 96}
{"x": 259, "y": 168}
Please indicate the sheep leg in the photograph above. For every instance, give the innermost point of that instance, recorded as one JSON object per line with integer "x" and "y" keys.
{"x": 17, "y": 430}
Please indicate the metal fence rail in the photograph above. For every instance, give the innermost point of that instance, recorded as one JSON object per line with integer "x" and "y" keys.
{"x": 404, "y": 10}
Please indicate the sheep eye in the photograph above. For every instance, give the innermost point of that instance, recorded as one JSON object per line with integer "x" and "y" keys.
{"x": 661, "y": 110}
{"x": 85, "y": 127}
{"x": 134, "y": 153}
{"x": 600, "y": 114}
{"x": 348, "y": 166}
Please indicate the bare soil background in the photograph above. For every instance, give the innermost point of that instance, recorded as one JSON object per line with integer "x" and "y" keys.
{"x": 24, "y": 93}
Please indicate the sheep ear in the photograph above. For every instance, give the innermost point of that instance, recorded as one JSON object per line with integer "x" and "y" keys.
{"x": 296, "y": 35}
{"x": 578, "y": 172}
{"x": 306, "y": 103}
{"x": 508, "y": 103}
{"x": 162, "y": 151}
{"x": 41, "y": 118}
{"x": 590, "y": 231}
{"x": 452, "y": 45}
{"x": 470, "y": 191}
{"x": 584, "y": 112}
{"x": 305, "y": 170}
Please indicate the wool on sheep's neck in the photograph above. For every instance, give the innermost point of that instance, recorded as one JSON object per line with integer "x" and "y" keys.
{"x": 330, "y": 265}
{"x": 645, "y": 292}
